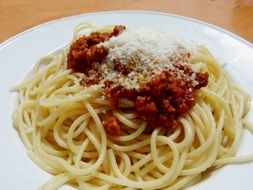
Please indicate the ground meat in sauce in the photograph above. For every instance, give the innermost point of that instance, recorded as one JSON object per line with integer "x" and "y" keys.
{"x": 111, "y": 126}
{"x": 117, "y": 66}
{"x": 159, "y": 102}
{"x": 84, "y": 54}
{"x": 168, "y": 98}
{"x": 118, "y": 92}
{"x": 162, "y": 100}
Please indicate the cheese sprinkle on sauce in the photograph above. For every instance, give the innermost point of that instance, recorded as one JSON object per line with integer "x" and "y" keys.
{"x": 148, "y": 67}
{"x": 143, "y": 53}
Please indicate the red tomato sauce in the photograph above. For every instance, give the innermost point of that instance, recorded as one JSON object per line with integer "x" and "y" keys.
{"x": 160, "y": 101}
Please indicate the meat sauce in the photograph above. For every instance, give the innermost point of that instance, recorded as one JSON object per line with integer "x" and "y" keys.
{"x": 160, "y": 101}
{"x": 163, "y": 99}
{"x": 85, "y": 56}
{"x": 111, "y": 126}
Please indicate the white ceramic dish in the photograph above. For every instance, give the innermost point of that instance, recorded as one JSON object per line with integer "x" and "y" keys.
{"x": 20, "y": 52}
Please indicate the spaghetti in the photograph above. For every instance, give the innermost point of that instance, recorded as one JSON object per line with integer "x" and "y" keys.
{"x": 61, "y": 124}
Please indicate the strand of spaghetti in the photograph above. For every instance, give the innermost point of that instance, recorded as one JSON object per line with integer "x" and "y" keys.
{"x": 92, "y": 138}
{"x": 248, "y": 124}
{"x": 202, "y": 118}
{"x": 211, "y": 63}
{"x": 114, "y": 165}
{"x": 182, "y": 182}
{"x": 127, "y": 163}
{"x": 210, "y": 158}
{"x": 149, "y": 167}
{"x": 142, "y": 162}
{"x": 129, "y": 147}
{"x": 41, "y": 163}
{"x": 189, "y": 133}
{"x": 58, "y": 102}
{"x": 154, "y": 152}
{"x": 144, "y": 184}
{"x": 131, "y": 136}
{"x": 74, "y": 170}
{"x": 233, "y": 160}
{"x": 80, "y": 152}
{"x": 51, "y": 118}
{"x": 70, "y": 134}
{"x": 79, "y": 130}
{"x": 47, "y": 83}
{"x": 214, "y": 97}
{"x": 57, "y": 128}
{"x": 85, "y": 186}
{"x": 208, "y": 141}
{"x": 42, "y": 153}
{"x": 21, "y": 125}
{"x": 176, "y": 174}
{"x": 57, "y": 181}
{"x": 176, "y": 133}
{"x": 125, "y": 121}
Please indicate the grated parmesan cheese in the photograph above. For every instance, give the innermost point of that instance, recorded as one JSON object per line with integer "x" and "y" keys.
{"x": 147, "y": 52}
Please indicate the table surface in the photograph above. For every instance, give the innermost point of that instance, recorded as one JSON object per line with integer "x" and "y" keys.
{"x": 233, "y": 15}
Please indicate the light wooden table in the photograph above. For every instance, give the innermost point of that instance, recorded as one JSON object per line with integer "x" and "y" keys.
{"x": 233, "y": 15}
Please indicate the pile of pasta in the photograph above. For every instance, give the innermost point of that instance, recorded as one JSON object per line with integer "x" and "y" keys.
{"x": 60, "y": 124}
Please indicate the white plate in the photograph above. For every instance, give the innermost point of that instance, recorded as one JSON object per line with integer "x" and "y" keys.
{"x": 20, "y": 52}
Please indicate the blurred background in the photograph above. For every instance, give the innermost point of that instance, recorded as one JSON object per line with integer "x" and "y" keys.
{"x": 233, "y": 15}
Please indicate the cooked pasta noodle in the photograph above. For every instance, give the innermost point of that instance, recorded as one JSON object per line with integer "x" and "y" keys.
{"x": 60, "y": 124}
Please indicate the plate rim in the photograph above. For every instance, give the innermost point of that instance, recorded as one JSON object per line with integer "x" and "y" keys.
{"x": 20, "y": 35}
{"x": 53, "y": 21}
